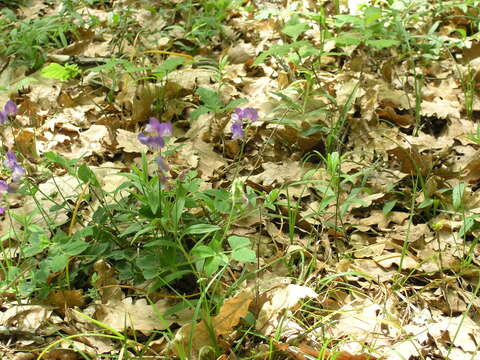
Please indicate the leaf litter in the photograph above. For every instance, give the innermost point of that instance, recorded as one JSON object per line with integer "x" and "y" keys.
{"x": 361, "y": 305}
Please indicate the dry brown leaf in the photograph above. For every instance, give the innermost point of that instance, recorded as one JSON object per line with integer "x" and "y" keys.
{"x": 387, "y": 260}
{"x": 137, "y": 315}
{"x": 63, "y": 299}
{"x": 389, "y": 114}
{"x": 279, "y": 174}
{"x": 411, "y": 161}
{"x": 128, "y": 141}
{"x": 279, "y": 300}
{"x": 229, "y": 316}
{"x": 461, "y": 331}
{"x": 107, "y": 284}
{"x": 26, "y": 316}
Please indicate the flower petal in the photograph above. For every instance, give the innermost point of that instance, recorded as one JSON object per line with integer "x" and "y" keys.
{"x": 165, "y": 129}
{"x": 10, "y": 107}
{"x": 153, "y": 125}
{"x": 251, "y": 114}
{"x": 237, "y": 130}
{"x": 143, "y": 138}
{"x": 3, "y": 117}
{"x": 3, "y": 186}
{"x": 18, "y": 172}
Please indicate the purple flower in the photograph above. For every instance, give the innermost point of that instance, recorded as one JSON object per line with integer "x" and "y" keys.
{"x": 3, "y": 186}
{"x": 161, "y": 130}
{"x": 247, "y": 113}
{"x": 9, "y": 108}
{"x": 237, "y": 130}
{"x": 2, "y": 210}
{"x": 12, "y": 164}
{"x": 238, "y": 117}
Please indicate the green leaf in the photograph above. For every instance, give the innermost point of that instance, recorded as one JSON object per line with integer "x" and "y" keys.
{"x": 86, "y": 174}
{"x": 199, "y": 112}
{"x": 59, "y": 72}
{"x": 237, "y": 242}
{"x": 244, "y": 255}
{"x": 169, "y": 65}
{"x": 73, "y": 248}
{"x": 426, "y": 203}
{"x": 201, "y": 229}
{"x": 382, "y": 44}
{"x": 213, "y": 263}
{"x": 457, "y": 195}
{"x": 295, "y": 29}
{"x": 347, "y": 40}
{"x": 59, "y": 159}
{"x": 37, "y": 243}
{"x": 235, "y": 103}
{"x": 202, "y": 252}
{"x": 210, "y": 98}
{"x": 388, "y": 206}
{"x": 372, "y": 14}
{"x": 57, "y": 263}
{"x": 279, "y": 51}
{"x": 348, "y": 19}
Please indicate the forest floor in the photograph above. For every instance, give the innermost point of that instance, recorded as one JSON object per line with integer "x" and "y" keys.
{"x": 240, "y": 179}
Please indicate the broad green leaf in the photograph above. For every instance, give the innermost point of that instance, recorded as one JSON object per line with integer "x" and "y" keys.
{"x": 73, "y": 248}
{"x": 169, "y": 65}
{"x": 59, "y": 159}
{"x": 236, "y": 242}
{"x": 244, "y": 255}
{"x": 425, "y": 203}
{"x": 372, "y": 14}
{"x": 348, "y": 19}
{"x": 388, "y": 206}
{"x": 199, "y": 112}
{"x": 86, "y": 174}
{"x": 202, "y": 252}
{"x": 382, "y": 44}
{"x": 58, "y": 262}
{"x": 210, "y": 98}
{"x": 212, "y": 264}
{"x": 294, "y": 30}
{"x": 235, "y": 103}
{"x": 349, "y": 39}
{"x": 59, "y": 72}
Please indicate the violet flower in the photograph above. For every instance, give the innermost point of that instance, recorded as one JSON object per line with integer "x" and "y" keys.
{"x": 238, "y": 118}
{"x": 5, "y": 187}
{"x": 12, "y": 164}
{"x": 237, "y": 130}
{"x": 10, "y": 108}
{"x": 161, "y": 130}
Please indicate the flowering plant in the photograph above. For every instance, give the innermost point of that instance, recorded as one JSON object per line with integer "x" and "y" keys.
{"x": 239, "y": 117}
{"x": 10, "y": 162}
{"x": 10, "y": 108}
{"x": 156, "y": 141}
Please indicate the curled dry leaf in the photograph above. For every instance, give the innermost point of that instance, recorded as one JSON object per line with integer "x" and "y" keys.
{"x": 199, "y": 335}
{"x": 136, "y": 315}
{"x": 280, "y": 299}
